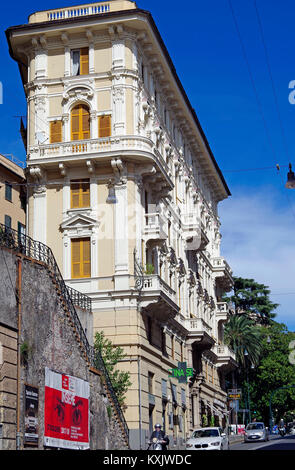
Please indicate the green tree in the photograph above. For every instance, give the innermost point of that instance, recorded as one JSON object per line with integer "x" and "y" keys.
{"x": 241, "y": 335}
{"x": 252, "y": 299}
{"x": 274, "y": 370}
{"x": 112, "y": 355}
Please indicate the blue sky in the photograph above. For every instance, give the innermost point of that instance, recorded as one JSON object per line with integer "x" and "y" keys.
{"x": 258, "y": 220}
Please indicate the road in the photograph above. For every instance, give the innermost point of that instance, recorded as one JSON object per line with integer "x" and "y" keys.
{"x": 274, "y": 443}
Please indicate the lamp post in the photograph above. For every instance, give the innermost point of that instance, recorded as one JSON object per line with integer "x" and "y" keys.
{"x": 247, "y": 376}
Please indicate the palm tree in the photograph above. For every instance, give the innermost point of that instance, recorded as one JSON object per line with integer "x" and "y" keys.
{"x": 241, "y": 335}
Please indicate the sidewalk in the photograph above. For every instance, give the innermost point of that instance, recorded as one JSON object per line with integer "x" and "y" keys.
{"x": 235, "y": 438}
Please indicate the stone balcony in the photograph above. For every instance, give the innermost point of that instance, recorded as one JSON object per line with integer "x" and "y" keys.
{"x": 199, "y": 332}
{"x": 222, "y": 311}
{"x": 194, "y": 232}
{"x": 222, "y": 273}
{"x": 191, "y": 227}
{"x": 154, "y": 227}
{"x": 136, "y": 148}
{"x": 225, "y": 357}
{"x": 158, "y": 298}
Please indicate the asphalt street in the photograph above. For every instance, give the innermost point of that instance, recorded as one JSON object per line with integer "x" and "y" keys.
{"x": 274, "y": 443}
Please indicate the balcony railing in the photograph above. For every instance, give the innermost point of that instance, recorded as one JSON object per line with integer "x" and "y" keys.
{"x": 131, "y": 143}
{"x": 195, "y": 324}
{"x": 79, "y": 11}
{"x": 156, "y": 283}
{"x": 154, "y": 226}
{"x": 220, "y": 262}
{"x": 224, "y": 351}
{"x": 222, "y": 307}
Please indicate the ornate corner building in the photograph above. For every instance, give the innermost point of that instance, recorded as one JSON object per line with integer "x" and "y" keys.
{"x": 124, "y": 188}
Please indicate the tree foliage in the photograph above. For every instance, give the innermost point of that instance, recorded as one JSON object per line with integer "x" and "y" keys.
{"x": 112, "y": 355}
{"x": 243, "y": 337}
{"x": 252, "y": 299}
{"x": 274, "y": 370}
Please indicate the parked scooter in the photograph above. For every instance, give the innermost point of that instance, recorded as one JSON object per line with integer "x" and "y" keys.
{"x": 282, "y": 431}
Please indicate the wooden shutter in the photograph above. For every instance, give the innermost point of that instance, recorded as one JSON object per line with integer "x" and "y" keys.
{"x": 104, "y": 126}
{"x": 85, "y": 122}
{"x": 85, "y": 194}
{"x": 75, "y": 123}
{"x": 80, "y": 122}
{"x": 81, "y": 264}
{"x": 80, "y": 193}
{"x": 75, "y": 193}
{"x": 76, "y": 258}
{"x": 86, "y": 257}
{"x": 55, "y": 131}
{"x": 84, "y": 61}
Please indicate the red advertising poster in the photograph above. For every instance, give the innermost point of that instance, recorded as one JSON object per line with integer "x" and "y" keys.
{"x": 66, "y": 413}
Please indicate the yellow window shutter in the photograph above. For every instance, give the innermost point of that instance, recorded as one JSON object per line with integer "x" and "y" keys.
{"x": 85, "y": 122}
{"x": 80, "y": 122}
{"x": 86, "y": 258}
{"x": 84, "y": 61}
{"x": 81, "y": 264}
{"x": 75, "y": 123}
{"x": 55, "y": 131}
{"x": 76, "y": 262}
{"x": 75, "y": 192}
{"x": 80, "y": 193}
{"x": 85, "y": 194}
{"x": 104, "y": 126}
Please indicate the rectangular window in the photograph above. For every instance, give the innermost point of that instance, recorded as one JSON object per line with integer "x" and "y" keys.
{"x": 55, "y": 131}
{"x": 81, "y": 264}
{"x": 151, "y": 383}
{"x": 163, "y": 341}
{"x": 21, "y": 229}
{"x": 149, "y": 329}
{"x": 7, "y": 221}
{"x": 172, "y": 347}
{"x": 8, "y": 191}
{"x": 80, "y": 61}
{"x": 80, "y": 193}
{"x": 104, "y": 126}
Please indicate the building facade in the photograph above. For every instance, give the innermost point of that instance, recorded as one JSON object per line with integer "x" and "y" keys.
{"x": 124, "y": 188}
{"x": 12, "y": 194}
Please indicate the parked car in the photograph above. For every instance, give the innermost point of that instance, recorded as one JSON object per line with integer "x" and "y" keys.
{"x": 208, "y": 439}
{"x": 256, "y": 432}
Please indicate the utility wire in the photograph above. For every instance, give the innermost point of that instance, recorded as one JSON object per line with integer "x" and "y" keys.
{"x": 271, "y": 79}
{"x": 252, "y": 79}
{"x": 240, "y": 170}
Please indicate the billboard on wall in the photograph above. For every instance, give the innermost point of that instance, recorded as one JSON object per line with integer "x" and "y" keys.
{"x": 31, "y": 415}
{"x": 66, "y": 411}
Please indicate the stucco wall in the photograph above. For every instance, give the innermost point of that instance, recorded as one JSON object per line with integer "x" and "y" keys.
{"x": 50, "y": 336}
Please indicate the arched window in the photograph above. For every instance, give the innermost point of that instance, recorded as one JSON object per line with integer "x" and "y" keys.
{"x": 80, "y": 122}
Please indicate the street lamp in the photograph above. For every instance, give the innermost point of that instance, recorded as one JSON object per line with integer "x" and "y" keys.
{"x": 247, "y": 376}
{"x": 290, "y": 178}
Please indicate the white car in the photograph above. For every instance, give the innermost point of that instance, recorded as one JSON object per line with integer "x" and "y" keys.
{"x": 208, "y": 439}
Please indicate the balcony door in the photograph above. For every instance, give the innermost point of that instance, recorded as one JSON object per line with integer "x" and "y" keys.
{"x": 80, "y": 122}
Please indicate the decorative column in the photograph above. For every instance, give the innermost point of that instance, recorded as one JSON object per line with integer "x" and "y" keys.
{"x": 121, "y": 226}
{"x": 66, "y": 194}
{"x": 40, "y": 214}
{"x": 118, "y": 110}
{"x": 93, "y": 125}
{"x": 91, "y": 58}
{"x": 66, "y": 127}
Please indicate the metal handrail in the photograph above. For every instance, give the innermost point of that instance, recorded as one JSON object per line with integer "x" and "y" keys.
{"x": 79, "y": 299}
{"x": 25, "y": 245}
{"x": 99, "y": 364}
